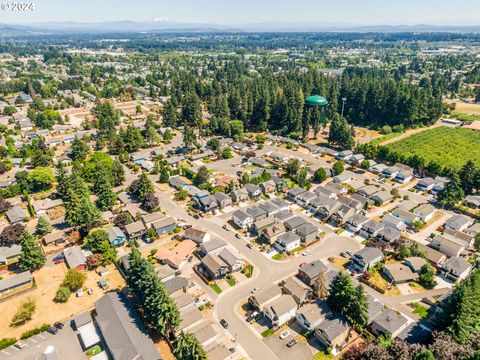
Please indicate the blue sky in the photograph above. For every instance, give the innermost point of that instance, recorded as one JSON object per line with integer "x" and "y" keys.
{"x": 395, "y": 12}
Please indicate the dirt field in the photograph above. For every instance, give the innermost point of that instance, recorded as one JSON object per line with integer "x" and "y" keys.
{"x": 466, "y": 108}
{"x": 48, "y": 280}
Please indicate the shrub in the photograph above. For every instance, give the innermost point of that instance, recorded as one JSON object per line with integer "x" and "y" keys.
{"x": 4, "y": 343}
{"x": 24, "y": 313}
{"x": 62, "y": 295}
{"x": 74, "y": 280}
{"x": 34, "y": 331}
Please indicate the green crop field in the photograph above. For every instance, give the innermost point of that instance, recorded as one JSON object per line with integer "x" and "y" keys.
{"x": 449, "y": 147}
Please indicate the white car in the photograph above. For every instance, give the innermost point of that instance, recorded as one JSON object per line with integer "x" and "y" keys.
{"x": 254, "y": 290}
{"x": 306, "y": 252}
{"x": 284, "y": 335}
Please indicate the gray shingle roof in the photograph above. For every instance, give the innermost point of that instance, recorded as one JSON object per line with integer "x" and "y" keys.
{"x": 122, "y": 331}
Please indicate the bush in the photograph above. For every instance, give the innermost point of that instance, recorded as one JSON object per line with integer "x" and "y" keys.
{"x": 34, "y": 331}
{"x": 74, "y": 280}
{"x": 4, "y": 343}
{"x": 24, "y": 313}
{"x": 62, "y": 295}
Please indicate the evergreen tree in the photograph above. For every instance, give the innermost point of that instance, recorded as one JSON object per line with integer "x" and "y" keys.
{"x": 451, "y": 194}
{"x": 341, "y": 294}
{"x": 103, "y": 188}
{"x": 79, "y": 150}
{"x": 358, "y": 310}
{"x": 202, "y": 176}
{"x": 469, "y": 177}
{"x": 189, "y": 137}
{"x": 31, "y": 256}
{"x": 145, "y": 186}
{"x": 341, "y": 135}
{"x": 187, "y": 347}
{"x": 118, "y": 173}
{"x": 164, "y": 175}
{"x": 338, "y": 168}
{"x": 427, "y": 276}
{"x": 88, "y": 213}
{"x": 43, "y": 226}
{"x": 320, "y": 175}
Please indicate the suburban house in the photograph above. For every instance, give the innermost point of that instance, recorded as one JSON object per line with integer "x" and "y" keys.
{"x": 455, "y": 269}
{"x": 327, "y": 209}
{"x": 473, "y": 201}
{"x": 260, "y": 225}
{"x": 389, "y": 322}
{"x": 394, "y": 222}
{"x": 206, "y": 203}
{"x": 253, "y": 190}
{"x": 213, "y": 267}
{"x": 199, "y": 236}
{"x": 223, "y": 200}
{"x": 135, "y": 230}
{"x": 268, "y": 187}
{"x": 287, "y": 242}
{"x": 344, "y": 155}
{"x": 213, "y": 246}
{"x": 280, "y": 310}
{"x": 447, "y": 246}
{"x": 190, "y": 318}
{"x": 176, "y": 257}
{"x": 175, "y": 284}
{"x": 388, "y": 234}
{"x": 310, "y": 272}
{"x": 333, "y": 332}
{"x": 269, "y": 207}
{"x": 75, "y": 258}
{"x": 122, "y": 331}
{"x": 304, "y": 198}
{"x": 381, "y": 197}
{"x": 116, "y": 236}
{"x": 281, "y": 204}
{"x": 356, "y": 222}
{"x": 307, "y": 232}
{"x": 399, "y": 273}
{"x": 425, "y": 184}
{"x": 404, "y": 176}
{"x": 239, "y": 195}
{"x": 262, "y": 297}
{"x": 458, "y": 222}
{"x": 415, "y": 263}
{"x": 270, "y": 233}
{"x": 42, "y": 206}
{"x": 366, "y": 258}
{"x": 424, "y": 212}
{"x": 164, "y": 226}
{"x": 294, "y": 192}
{"x": 367, "y": 190}
{"x": 293, "y": 223}
{"x": 55, "y": 237}
{"x": 300, "y": 292}
{"x": 309, "y": 316}
{"x": 370, "y": 229}
{"x": 149, "y": 219}
{"x": 242, "y": 219}
{"x": 433, "y": 256}
{"x": 341, "y": 215}
{"x": 14, "y": 282}
{"x": 406, "y": 216}
{"x": 256, "y": 213}
{"x": 9, "y": 253}
{"x": 16, "y": 214}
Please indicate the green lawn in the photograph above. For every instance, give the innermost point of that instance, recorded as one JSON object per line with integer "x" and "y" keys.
{"x": 277, "y": 257}
{"x": 231, "y": 280}
{"x": 248, "y": 271}
{"x": 448, "y": 147}
{"x": 420, "y": 310}
{"x": 383, "y": 138}
{"x": 464, "y": 117}
{"x": 267, "y": 333}
{"x": 216, "y": 288}
{"x": 94, "y": 350}
{"x": 322, "y": 355}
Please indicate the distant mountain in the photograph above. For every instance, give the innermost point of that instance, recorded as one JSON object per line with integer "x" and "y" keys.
{"x": 128, "y": 26}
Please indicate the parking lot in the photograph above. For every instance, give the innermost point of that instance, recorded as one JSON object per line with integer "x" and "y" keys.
{"x": 65, "y": 342}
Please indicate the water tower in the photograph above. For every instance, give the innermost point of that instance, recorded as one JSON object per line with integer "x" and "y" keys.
{"x": 320, "y": 103}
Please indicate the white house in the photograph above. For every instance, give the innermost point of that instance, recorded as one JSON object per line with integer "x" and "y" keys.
{"x": 425, "y": 212}
{"x": 281, "y": 310}
{"x": 242, "y": 219}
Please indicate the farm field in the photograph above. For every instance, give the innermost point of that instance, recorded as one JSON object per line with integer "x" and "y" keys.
{"x": 449, "y": 147}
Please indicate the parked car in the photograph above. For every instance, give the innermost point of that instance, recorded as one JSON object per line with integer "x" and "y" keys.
{"x": 59, "y": 325}
{"x": 190, "y": 258}
{"x": 250, "y": 246}
{"x": 349, "y": 253}
{"x": 52, "y": 330}
{"x": 254, "y": 290}
{"x": 225, "y": 227}
{"x": 59, "y": 259}
{"x": 232, "y": 350}
{"x": 306, "y": 252}
{"x": 284, "y": 334}
{"x": 20, "y": 345}
{"x": 344, "y": 254}
{"x": 224, "y": 323}
{"x": 238, "y": 236}
{"x": 303, "y": 264}
{"x": 292, "y": 343}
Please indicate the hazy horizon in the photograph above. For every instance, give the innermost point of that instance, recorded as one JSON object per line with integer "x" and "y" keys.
{"x": 216, "y": 12}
